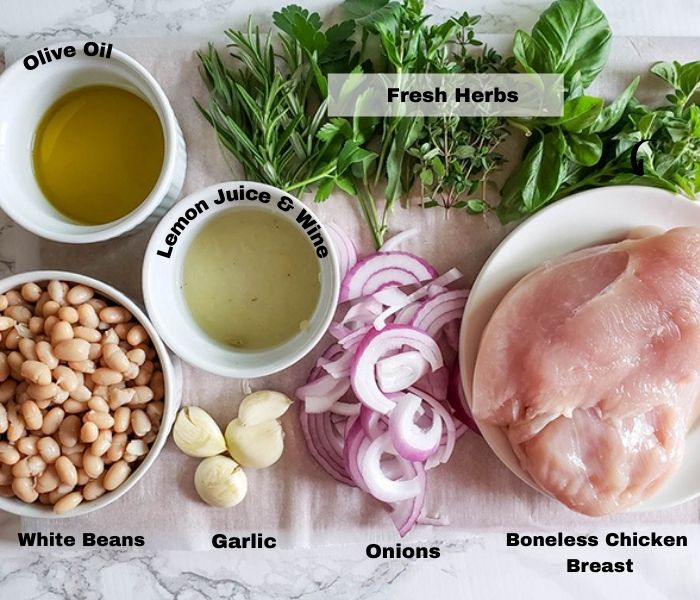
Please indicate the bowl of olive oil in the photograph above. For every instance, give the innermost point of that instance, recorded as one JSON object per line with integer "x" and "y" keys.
{"x": 240, "y": 279}
{"x": 91, "y": 147}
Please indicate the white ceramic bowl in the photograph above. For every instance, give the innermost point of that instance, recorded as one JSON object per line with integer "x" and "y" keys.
{"x": 171, "y": 401}
{"x": 162, "y": 287}
{"x": 585, "y": 219}
{"x": 26, "y": 95}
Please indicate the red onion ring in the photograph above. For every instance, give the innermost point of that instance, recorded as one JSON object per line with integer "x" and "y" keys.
{"x": 410, "y": 441}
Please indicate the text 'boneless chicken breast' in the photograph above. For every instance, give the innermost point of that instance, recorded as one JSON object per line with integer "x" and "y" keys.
{"x": 591, "y": 365}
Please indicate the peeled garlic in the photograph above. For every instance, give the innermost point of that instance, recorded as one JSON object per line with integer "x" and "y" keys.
{"x": 220, "y": 481}
{"x": 197, "y": 434}
{"x": 260, "y": 407}
{"x": 256, "y": 446}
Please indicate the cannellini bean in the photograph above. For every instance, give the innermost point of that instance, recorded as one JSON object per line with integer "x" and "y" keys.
{"x": 157, "y": 385}
{"x": 9, "y": 455}
{"x": 4, "y": 423}
{"x": 72, "y": 350}
{"x": 31, "y": 292}
{"x": 61, "y": 331}
{"x": 24, "y": 489}
{"x": 69, "y": 431}
{"x": 83, "y": 477}
{"x": 67, "y": 503}
{"x": 52, "y": 420}
{"x": 93, "y": 464}
{"x": 14, "y": 361}
{"x": 119, "y": 397}
{"x": 42, "y": 392}
{"x": 28, "y": 445}
{"x": 36, "y": 372}
{"x": 4, "y": 367}
{"x": 19, "y": 313}
{"x": 115, "y": 358}
{"x": 93, "y": 490}
{"x": 145, "y": 373}
{"x": 102, "y": 420}
{"x": 122, "y": 330}
{"x": 79, "y": 294}
{"x": 81, "y": 394}
{"x": 50, "y": 309}
{"x": 74, "y": 407}
{"x": 137, "y": 448}
{"x": 116, "y": 475}
{"x": 44, "y": 353}
{"x": 87, "y": 333}
{"x": 6, "y": 491}
{"x": 5, "y": 474}
{"x": 136, "y": 356}
{"x": 48, "y": 481}
{"x": 7, "y": 390}
{"x": 36, "y": 325}
{"x": 115, "y": 314}
{"x": 132, "y": 372}
{"x": 95, "y": 351}
{"x": 3, "y": 302}
{"x": 6, "y": 323}
{"x": 136, "y": 335}
{"x": 66, "y": 470}
{"x": 15, "y": 431}
{"x": 87, "y": 316}
{"x": 14, "y": 297}
{"x": 31, "y": 414}
{"x": 89, "y": 432}
{"x": 68, "y": 314}
{"x": 102, "y": 443}
{"x": 122, "y": 419}
{"x": 116, "y": 451}
{"x": 12, "y": 339}
{"x": 99, "y": 404}
{"x": 83, "y": 366}
{"x": 27, "y": 347}
{"x": 140, "y": 423}
{"x": 29, "y": 467}
{"x": 76, "y": 458}
{"x": 65, "y": 378}
{"x": 143, "y": 395}
{"x": 57, "y": 291}
{"x": 49, "y": 449}
{"x": 104, "y": 376}
{"x": 110, "y": 337}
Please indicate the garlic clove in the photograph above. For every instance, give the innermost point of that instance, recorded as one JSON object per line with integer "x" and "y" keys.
{"x": 220, "y": 481}
{"x": 260, "y": 407}
{"x": 197, "y": 434}
{"x": 255, "y": 446}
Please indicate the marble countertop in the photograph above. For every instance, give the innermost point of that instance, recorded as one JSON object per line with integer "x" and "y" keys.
{"x": 480, "y": 566}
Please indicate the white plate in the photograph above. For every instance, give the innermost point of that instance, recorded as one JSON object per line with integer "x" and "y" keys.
{"x": 582, "y": 220}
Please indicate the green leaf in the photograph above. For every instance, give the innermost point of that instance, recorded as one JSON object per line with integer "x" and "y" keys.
{"x": 475, "y": 206}
{"x": 584, "y": 149}
{"x": 577, "y": 38}
{"x": 373, "y": 13}
{"x": 324, "y": 190}
{"x": 532, "y": 57}
{"x": 351, "y": 154}
{"x": 426, "y": 177}
{"x": 667, "y": 72}
{"x": 579, "y": 113}
{"x": 303, "y": 26}
{"x": 612, "y": 113}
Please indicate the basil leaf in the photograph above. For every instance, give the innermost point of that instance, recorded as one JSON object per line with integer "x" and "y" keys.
{"x": 584, "y": 149}
{"x": 579, "y": 113}
{"x": 612, "y": 113}
{"x": 577, "y": 38}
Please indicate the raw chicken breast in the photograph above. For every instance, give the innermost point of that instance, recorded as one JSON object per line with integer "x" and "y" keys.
{"x": 591, "y": 365}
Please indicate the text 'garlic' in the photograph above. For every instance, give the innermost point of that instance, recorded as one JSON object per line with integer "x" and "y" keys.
{"x": 197, "y": 434}
{"x": 220, "y": 481}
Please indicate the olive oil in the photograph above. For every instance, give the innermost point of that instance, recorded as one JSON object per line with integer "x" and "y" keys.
{"x": 98, "y": 152}
{"x": 251, "y": 279}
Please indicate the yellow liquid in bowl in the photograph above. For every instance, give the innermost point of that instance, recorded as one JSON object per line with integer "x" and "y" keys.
{"x": 98, "y": 153}
{"x": 251, "y": 279}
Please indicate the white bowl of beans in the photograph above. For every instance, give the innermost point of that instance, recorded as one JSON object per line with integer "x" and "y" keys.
{"x": 88, "y": 394}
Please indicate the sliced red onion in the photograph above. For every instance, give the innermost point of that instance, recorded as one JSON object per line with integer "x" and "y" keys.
{"x": 442, "y": 281}
{"x": 356, "y": 444}
{"x": 337, "y": 367}
{"x": 438, "y": 311}
{"x": 448, "y": 445}
{"x": 373, "y": 423}
{"x": 390, "y": 296}
{"x": 323, "y": 450}
{"x": 397, "y": 372}
{"x": 344, "y": 248}
{"x": 321, "y": 394}
{"x": 406, "y": 514}
{"x": 394, "y": 242}
{"x": 411, "y": 441}
{"x": 354, "y": 338}
{"x": 378, "y": 483}
{"x": 457, "y": 399}
{"x": 363, "y": 313}
{"x": 377, "y": 344}
{"x": 381, "y": 270}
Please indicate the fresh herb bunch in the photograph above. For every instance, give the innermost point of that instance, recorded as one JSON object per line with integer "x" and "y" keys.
{"x": 591, "y": 145}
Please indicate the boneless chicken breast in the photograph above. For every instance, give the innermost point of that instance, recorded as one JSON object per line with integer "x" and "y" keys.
{"x": 591, "y": 366}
